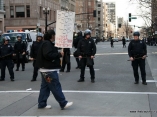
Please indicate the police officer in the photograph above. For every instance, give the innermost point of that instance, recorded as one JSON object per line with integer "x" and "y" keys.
{"x": 34, "y": 51}
{"x": 137, "y": 51}
{"x": 75, "y": 43}
{"x": 86, "y": 50}
{"x": 6, "y": 53}
{"x": 66, "y": 60}
{"x": 20, "y": 52}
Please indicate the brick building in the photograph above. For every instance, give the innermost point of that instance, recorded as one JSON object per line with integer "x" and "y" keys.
{"x": 26, "y": 14}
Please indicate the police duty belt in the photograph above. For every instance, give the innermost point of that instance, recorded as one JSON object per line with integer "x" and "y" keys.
{"x": 137, "y": 58}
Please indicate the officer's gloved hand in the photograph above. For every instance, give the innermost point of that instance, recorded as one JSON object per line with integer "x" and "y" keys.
{"x": 131, "y": 58}
{"x": 144, "y": 57}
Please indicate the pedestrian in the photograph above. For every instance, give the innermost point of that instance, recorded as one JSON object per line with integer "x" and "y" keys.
{"x": 87, "y": 50}
{"x": 75, "y": 44}
{"x": 137, "y": 51}
{"x": 66, "y": 60}
{"x": 6, "y": 54}
{"x": 112, "y": 46}
{"x": 48, "y": 60}
{"x": 34, "y": 51}
{"x": 124, "y": 42}
{"x": 20, "y": 52}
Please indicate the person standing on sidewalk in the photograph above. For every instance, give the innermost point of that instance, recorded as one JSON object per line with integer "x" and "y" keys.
{"x": 48, "y": 60}
{"x": 20, "y": 52}
{"x": 34, "y": 51}
{"x": 87, "y": 50}
{"x": 6, "y": 54}
{"x": 137, "y": 51}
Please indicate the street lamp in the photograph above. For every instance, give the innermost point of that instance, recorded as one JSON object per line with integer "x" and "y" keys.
{"x": 46, "y": 12}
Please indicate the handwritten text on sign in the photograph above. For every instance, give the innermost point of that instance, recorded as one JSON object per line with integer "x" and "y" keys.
{"x": 64, "y": 29}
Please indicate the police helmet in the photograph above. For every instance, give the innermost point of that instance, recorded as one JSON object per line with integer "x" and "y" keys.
{"x": 19, "y": 35}
{"x": 87, "y": 32}
{"x": 39, "y": 34}
{"x": 136, "y": 34}
{"x": 6, "y": 38}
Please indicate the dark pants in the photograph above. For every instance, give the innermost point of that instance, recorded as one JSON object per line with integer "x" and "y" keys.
{"x": 83, "y": 63}
{"x": 35, "y": 71}
{"x": 124, "y": 45}
{"x": 52, "y": 85}
{"x": 112, "y": 45}
{"x": 66, "y": 62}
{"x": 141, "y": 64}
{"x": 78, "y": 62}
{"x": 20, "y": 60}
{"x": 10, "y": 65}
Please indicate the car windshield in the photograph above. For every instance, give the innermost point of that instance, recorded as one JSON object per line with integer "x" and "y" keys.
{"x": 13, "y": 37}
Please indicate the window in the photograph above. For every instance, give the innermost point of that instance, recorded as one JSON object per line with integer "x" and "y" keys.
{"x": 28, "y": 10}
{"x": 20, "y": 11}
{"x": 4, "y": 10}
{"x": 11, "y": 12}
{"x": 98, "y": 18}
{"x": 98, "y": 24}
{"x": 99, "y": 5}
{"x": 98, "y": 12}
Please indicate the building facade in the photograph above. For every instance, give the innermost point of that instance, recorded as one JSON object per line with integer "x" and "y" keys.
{"x": 105, "y": 20}
{"x": 84, "y": 15}
{"x": 28, "y": 14}
{"x": 2, "y": 12}
{"x": 68, "y": 5}
{"x": 154, "y": 14}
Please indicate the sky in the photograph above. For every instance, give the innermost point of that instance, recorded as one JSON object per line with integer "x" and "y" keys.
{"x": 123, "y": 8}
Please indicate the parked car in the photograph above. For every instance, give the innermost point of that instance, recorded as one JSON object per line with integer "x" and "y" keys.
{"x": 127, "y": 39}
{"x": 115, "y": 39}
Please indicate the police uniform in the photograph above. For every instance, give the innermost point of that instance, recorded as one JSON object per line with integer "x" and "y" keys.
{"x": 6, "y": 52}
{"x": 137, "y": 49}
{"x": 19, "y": 48}
{"x": 86, "y": 48}
{"x": 34, "y": 51}
{"x": 66, "y": 60}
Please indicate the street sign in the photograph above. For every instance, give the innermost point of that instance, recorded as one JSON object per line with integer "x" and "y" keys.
{"x": 133, "y": 17}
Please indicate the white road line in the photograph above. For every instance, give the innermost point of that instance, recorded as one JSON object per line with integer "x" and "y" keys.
{"x": 87, "y": 92}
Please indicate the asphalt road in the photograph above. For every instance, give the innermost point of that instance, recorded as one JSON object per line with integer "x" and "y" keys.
{"x": 113, "y": 94}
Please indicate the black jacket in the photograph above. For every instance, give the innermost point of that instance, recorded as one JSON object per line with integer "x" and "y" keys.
{"x": 6, "y": 51}
{"x": 123, "y": 41}
{"x": 19, "y": 47}
{"x": 76, "y": 41}
{"x": 48, "y": 56}
{"x": 86, "y": 47}
{"x": 34, "y": 49}
{"x": 137, "y": 48}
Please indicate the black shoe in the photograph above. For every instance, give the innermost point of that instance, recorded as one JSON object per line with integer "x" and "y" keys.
{"x": 23, "y": 69}
{"x": 33, "y": 80}
{"x": 12, "y": 80}
{"x": 144, "y": 83}
{"x": 68, "y": 71}
{"x": 17, "y": 69}
{"x": 77, "y": 67}
{"x": 2, "y": 80}
{"x": 136, "y": 82}
{"x": 61, "y": 70}
{"x": 92, "y": 81}
{"x": 80, "y": 80}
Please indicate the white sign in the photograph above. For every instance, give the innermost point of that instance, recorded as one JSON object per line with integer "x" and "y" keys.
{"x": 64, "y": 29}
{"x": 155, "y": 32}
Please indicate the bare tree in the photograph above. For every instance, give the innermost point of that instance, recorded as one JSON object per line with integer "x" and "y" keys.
{"x": 127, "y": 28}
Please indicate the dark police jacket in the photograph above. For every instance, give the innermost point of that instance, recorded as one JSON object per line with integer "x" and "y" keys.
{"x": 48, "y": 56}
{"x": 86, "y": 47}
{"x": 6, "y": 51}
{"x": 34, "y": 49}
{"x": 137, "y": 48}
{"x": 19, "y": 47}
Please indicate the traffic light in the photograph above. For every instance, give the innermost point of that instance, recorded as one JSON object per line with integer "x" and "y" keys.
{"x": 129, "y": 17}
{"x": 94, "y": 13}
{"x": 119, "y": 25}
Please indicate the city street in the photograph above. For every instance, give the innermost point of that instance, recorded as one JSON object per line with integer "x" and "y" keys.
{"x": 114, "y": 93}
